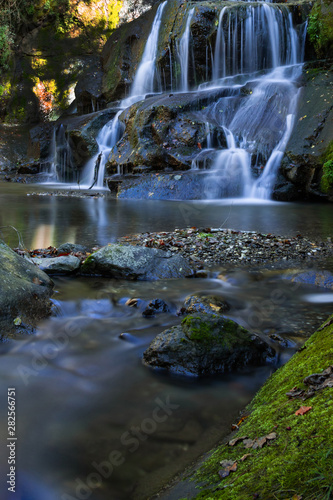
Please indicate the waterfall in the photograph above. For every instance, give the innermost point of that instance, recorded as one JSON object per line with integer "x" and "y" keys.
{"x": 183, "y": 51}
{"x": 108, "y": 136}
{"x": 62, "y": 163}
{"x": 257, "y": 123}
{"x": 145, "y": 75}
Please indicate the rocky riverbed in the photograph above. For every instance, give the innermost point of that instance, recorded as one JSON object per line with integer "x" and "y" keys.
{"x": 208, "y": 246}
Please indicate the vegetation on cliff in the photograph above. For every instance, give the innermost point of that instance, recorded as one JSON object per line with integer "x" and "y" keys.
{"x": 41, "y": 48}
{"x": 320, "y": 27}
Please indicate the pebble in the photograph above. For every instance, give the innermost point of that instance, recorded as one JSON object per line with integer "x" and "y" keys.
{"x": 227, "y": 246}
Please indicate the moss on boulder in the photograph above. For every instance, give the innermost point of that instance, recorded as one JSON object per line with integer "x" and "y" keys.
{"x": 205, "y": 344}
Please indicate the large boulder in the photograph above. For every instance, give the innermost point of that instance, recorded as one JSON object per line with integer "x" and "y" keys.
{"x": 24, "y": 293}
{"x": 205, "y": 344}
{"x": 135, "y": 262}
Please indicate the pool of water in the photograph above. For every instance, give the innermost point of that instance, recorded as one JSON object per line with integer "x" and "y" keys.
{"x": 52, "y": 220}
{"x": 92, "y": 421}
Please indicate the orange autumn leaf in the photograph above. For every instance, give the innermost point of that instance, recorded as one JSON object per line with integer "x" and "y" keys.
{"x": 302, "y": 410}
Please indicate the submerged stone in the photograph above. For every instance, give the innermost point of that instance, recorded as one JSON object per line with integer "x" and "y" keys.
{"x": 205, "y": 344}
{"x": 133, "y": 262}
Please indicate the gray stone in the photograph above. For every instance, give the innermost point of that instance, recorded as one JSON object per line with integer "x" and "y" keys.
{"x": 135, "y": 262}
{"x": 24, "y": 293}
{"x": 205, "y": 344}
{"x": 205, "y": 304}
{"x": 72, "y": 248}
{"x": 58, "y": 265}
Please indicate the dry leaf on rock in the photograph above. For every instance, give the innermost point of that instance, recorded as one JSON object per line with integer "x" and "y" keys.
{"x": 236, "y": 440}
{"x": 302, "y": 410}
{"x": 244, "y": 457}
{"x": 228, "y": 466}
{"x": 248, "y": 443}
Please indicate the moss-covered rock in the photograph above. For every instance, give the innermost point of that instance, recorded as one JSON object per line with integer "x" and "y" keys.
{"x": 24, "y": 293}
{"x": 205, "y": 344}
{"x": 298, "y": 463}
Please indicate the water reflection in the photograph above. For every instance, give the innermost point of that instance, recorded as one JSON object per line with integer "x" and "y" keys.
{"x": 101, "y": 220}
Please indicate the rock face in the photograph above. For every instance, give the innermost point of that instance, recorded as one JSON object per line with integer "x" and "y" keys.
{"x": 205, "y": 344}
{"x": 165, "y": 131}
{"x": 24, "y": 293}
{"x": 205, "y": 304}
{"x": 312, "y": 136}
{"x": 132, "y": 262}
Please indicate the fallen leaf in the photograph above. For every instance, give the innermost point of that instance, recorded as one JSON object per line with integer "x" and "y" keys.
{"x": 248, "y": 443}
{"x": 236, "y": 440}
{"x": 272, "y": 435}
{"x": 17, "y": 321}
{"x": 261, "y": 441}
{"x": 228, "y": 466}
{"x": 36, "y": 281}
{"x": 302, "y": 410}
{"x": 296, "y": 497}
{"x": 244, "y": 457}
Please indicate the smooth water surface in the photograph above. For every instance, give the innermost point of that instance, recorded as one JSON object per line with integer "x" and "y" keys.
{"x": 52, "y": 220}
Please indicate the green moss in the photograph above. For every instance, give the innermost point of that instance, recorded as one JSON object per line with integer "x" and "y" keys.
{"x": 214, "y": 329}
{"x": 327, "y": 178}
{"x": 320, "y": 27}
{"x": 299, "y": 460}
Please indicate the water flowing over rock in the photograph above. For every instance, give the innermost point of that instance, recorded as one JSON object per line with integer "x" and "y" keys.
{"x": 205, "y": 344}
{"x": 241, "y": 62}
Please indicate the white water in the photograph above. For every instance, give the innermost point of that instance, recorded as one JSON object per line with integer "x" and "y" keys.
{"x": 111, "y": 132}
{"x": 257, "y": 126}
{"x": 257, "y": 58}
{"x": 183, "y": 51}
{"x": 145, "y": 76}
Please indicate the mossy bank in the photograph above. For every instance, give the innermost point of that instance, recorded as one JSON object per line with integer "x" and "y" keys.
{"x": 297, "y": 464}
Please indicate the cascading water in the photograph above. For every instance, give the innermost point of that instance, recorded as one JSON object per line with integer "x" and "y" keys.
{"x": 143, "y": 83}
{"x": 258, "y": 120}
{"x": 184, "y": 52}
{"x": 61, "y": 155}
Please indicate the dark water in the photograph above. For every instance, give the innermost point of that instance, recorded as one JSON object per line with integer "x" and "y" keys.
{"x": 51, "y": 220}
{"x": 92, "y": 421}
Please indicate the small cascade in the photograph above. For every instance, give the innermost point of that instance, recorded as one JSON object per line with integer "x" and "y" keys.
{"x": 145, "y": 75}
{"x": 262, "y": 38}
{"x": 108, "y": 136}
{"x": 62, "y": 165}
{"x": 183, "y": 51}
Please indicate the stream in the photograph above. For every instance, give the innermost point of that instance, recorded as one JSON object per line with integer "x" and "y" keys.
{"x": 92, "y": 421}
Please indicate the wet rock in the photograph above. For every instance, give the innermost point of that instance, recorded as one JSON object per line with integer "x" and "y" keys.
{"x": 58, "y": 265}
{"x": 24, "y": 293}
{"x": 164, "y": 132}
{"x": 154, "y": 307}
{"x": 209, "y": 304}
{"x": 72, "y": 248}
{"x": 163, "y": 186}
{"x": 205, "y": 344}
{"x": 323, "y": 279}
{"x": 311, "y": 137}
{"x": 133, "y": 262}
